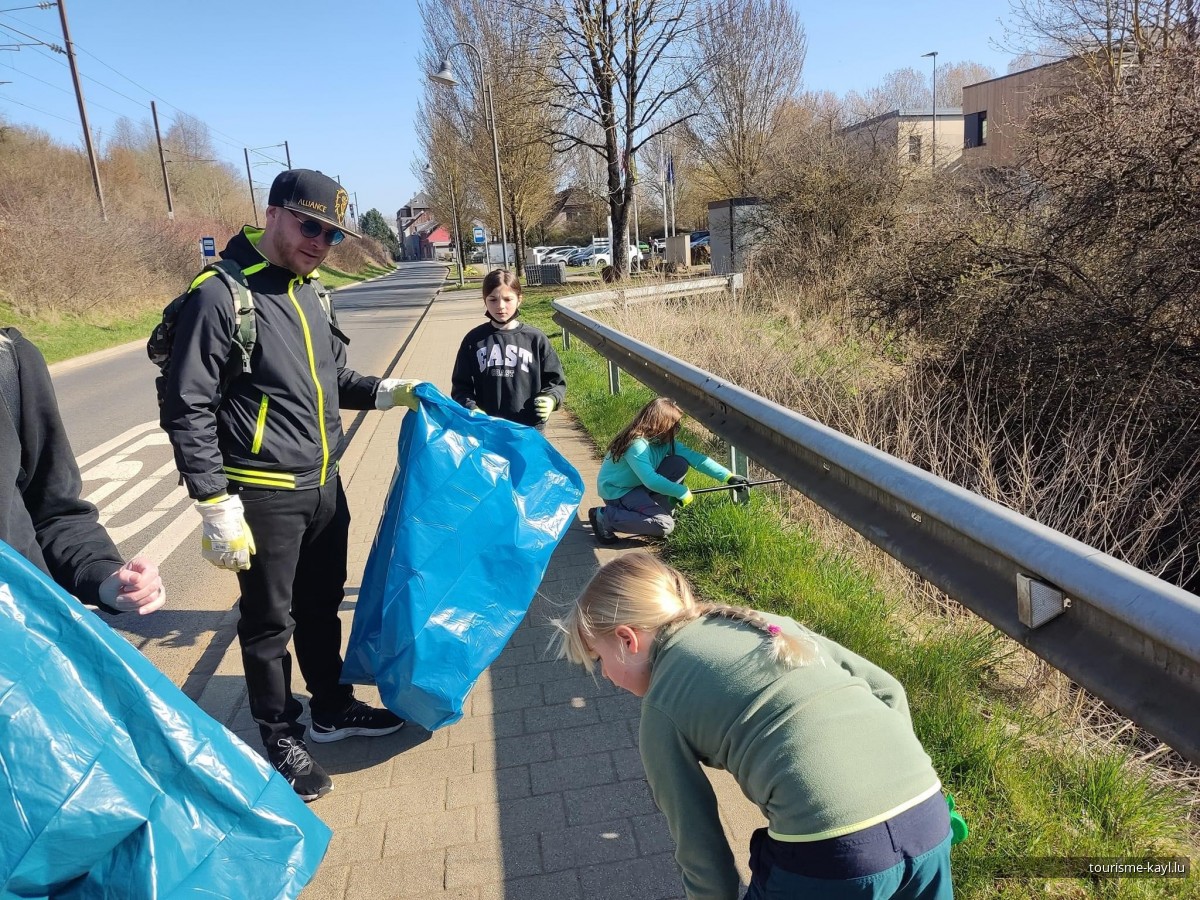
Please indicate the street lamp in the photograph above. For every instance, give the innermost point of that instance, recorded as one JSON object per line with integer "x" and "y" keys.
{"x": 933, "y": 145}
{"x": 458, "y": 247}
{"x": 445, "y": 76}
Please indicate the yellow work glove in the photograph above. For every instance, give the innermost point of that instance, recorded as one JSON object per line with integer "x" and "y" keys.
{"x": 225, "y": 538}
{"x": 543, "y": 405}
{"x": 397, "y": 392}
{"x": 687, "y": 498}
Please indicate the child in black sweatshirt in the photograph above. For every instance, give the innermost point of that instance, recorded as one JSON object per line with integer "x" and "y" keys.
{"x": 504, "y": 367}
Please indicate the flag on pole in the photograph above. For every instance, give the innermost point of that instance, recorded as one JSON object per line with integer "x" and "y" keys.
{"x": 671, "y": 170}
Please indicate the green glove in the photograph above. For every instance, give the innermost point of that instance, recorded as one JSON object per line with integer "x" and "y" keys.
{"x": 687, "y": 497}
{"x": 958, "y": 825}
{"x": 543, "y": 405}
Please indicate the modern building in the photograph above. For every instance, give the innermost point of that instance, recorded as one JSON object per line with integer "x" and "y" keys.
{"x": 910, "y": 134}
{"x": 995, "y": 111}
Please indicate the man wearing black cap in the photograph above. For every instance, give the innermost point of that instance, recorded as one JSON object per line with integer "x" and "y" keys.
{"x": 258, "y": 447}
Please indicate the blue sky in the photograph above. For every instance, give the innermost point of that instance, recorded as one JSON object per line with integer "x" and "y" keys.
{"x": 340, "y": 82}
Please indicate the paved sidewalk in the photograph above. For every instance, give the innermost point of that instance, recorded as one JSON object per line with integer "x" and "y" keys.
{"x": 538, "y": 792}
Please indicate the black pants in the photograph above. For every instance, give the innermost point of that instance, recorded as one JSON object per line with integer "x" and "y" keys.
{"x": 295, "y": 584}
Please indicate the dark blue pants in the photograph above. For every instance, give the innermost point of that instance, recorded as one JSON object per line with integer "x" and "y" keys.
{"x": 905, "y": 858}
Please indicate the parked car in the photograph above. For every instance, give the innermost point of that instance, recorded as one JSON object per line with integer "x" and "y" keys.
{"x": 603, "y": 257}
{"x": 581, "y": 257}
{"x": 543, "y": 254}
{"x": 697, "y": 235}
{"x": 560, "y": 254}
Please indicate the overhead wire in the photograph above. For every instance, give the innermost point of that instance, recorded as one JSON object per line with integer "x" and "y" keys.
{"x": 231, "y": 142}
{"x": 44, "y": 112}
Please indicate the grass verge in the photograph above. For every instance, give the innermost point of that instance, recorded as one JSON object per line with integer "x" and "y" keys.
{"x": 62, "y": 337}
{"x": 1028, "y": 793}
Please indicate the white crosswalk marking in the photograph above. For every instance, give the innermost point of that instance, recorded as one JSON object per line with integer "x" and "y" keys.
{"x": 120, "y": 487}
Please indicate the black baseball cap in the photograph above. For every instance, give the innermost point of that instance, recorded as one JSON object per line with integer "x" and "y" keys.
{"x": 314, "y": 194}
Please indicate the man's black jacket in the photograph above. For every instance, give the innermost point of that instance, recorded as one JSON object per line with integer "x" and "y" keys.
{"x": 41, "y": 514}
{"x": 279, "y": 426}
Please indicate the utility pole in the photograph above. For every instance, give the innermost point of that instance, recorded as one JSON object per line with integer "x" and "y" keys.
{"x": 87, "y": 131}
{"x": 162, "y": 159}
{"x": 250, "y": 179}
{"x": 287, "y": 154}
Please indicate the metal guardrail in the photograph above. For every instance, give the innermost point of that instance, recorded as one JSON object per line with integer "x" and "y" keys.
{"x": 1131, "y": 639}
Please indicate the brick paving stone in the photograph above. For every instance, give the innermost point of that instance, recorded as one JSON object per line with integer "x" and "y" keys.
{"x": 556, "y": 886}
{"x": 558, "y": 775}
{"x": 527, "y": 815}
{"x": 356, "y": 843}
{"x": 513, "y": 751}
{"x": 590, "y": 738}
{"x": 407, "y": 875}
{"x": 488, "y": 787}
{"x": 652, "y": 834}
{"x": 560, "y": 716}
{"x": 429, "y": 830}
{"x": 601, "y": 802}
{"x": 648, "y": 878}
{"x": 628, "y": 763}
{"x": 486, "y": 862}
{"x": 587, "y": 845}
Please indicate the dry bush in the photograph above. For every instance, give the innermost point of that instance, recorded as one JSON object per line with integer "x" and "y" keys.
{"x": 1062, "y": 301}
{"x": 57, "y": 257}
{"x": 1098, "y": 482}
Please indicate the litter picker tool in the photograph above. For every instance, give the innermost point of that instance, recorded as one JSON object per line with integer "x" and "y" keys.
{"x": 735, "y": 487}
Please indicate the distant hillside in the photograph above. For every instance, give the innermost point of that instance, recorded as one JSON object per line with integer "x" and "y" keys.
{"x": 57, "y": 257}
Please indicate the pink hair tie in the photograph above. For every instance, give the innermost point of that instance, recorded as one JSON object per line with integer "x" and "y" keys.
{"x": 774, "y": 629}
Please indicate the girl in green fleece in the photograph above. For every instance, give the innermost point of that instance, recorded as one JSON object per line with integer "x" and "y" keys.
{"x": 641, "y": 477}
{"x": 817, "y": 736}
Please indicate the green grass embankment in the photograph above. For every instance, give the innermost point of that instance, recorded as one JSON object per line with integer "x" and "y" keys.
{"x": 1026, "y": 789}
{"x": 65, "y": 337}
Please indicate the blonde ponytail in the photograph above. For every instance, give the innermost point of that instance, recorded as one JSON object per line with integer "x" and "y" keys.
{"x": 639, "y": 590}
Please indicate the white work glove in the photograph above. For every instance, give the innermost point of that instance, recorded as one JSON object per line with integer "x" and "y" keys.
{"x": 397, "y": 392}
{"x": 543, "y": 405}
{"x": 225, "y": 540}
{"x": 136, "y": 585}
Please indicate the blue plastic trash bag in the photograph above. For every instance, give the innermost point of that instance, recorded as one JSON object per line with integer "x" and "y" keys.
{"x": 475, "y": 510}
{"x": 113, "y": 784}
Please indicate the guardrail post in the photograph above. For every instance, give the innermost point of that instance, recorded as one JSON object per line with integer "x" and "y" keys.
{"x": 739, "y": 463}
{"x": 614, "y": 378}
{"x": 566, "y": 339}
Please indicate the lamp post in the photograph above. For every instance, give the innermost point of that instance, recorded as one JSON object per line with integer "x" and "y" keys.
{"x": 458, "y": 247}
{"x": 933, "y": 144}
{"x": 445, "y": 76}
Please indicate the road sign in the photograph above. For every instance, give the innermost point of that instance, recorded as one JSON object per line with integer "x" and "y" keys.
{"x": 479, "y": 238}
{"x": 208, "y": 246}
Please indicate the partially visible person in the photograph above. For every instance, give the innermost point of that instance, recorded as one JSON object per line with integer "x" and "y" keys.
{"x": 641, "y": 478}
{"x": 42, "y": 515}
{"x": 818, "y": 737}
{"x": 259, "y": 451}
{"x": 504, "y": 367}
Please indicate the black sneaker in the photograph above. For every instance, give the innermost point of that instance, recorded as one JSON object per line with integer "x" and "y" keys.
{"x": 600, "y": 529}
{"x": 290, "y": 758}
{"x": 355, "y": 719}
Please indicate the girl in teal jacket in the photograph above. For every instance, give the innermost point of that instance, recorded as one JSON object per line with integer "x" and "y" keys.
{"x": 641, "y": 477}
{"x": 818, "y": 737}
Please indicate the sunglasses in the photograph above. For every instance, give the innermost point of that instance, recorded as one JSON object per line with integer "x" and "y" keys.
{"x": 311, "y": 228}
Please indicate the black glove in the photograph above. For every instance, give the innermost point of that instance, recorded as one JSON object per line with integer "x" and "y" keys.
{"x": 737, "y": 479}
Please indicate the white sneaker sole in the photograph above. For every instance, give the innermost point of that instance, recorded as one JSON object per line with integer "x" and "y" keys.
{"x": 342, "y": 733}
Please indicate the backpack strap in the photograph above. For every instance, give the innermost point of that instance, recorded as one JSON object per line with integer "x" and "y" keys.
{"x": 244, "y": 320}
{"x": 10, "y": 378}
{"x": 326, "y": 301}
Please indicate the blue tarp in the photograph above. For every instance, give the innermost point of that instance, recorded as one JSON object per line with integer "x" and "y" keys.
{"x": 475, "y": 510}
{"x": 113, "y": 784}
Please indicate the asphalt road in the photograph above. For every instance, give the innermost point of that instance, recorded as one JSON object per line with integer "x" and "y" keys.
{"x": 108, "y": 405}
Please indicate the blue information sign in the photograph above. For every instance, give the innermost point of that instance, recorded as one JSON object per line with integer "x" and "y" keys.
{"x": 208, "y": 246}
{"x": 479, "y": 238}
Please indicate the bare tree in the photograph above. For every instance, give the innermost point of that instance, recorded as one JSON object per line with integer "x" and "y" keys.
{"x": 1107, "y": 34}
{"x": 754, "y": 54}
{"x": 621, "y": 66}
{"x": 515, "y": 60}
{"x": 952, "y": 78}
